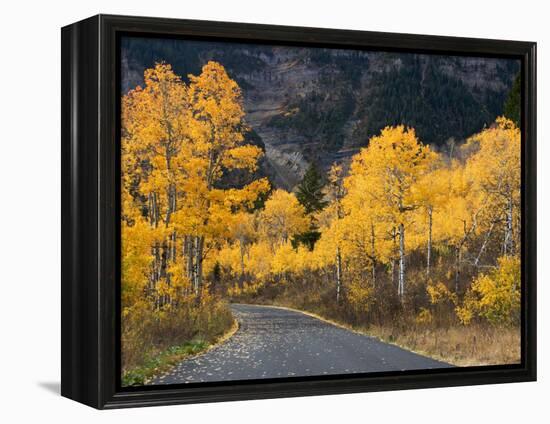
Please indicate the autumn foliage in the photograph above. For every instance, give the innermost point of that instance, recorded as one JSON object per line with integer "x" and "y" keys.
{"x": 405, "y": 234}
{"x": 177, "y": 141}
{"x": 411, "y": 239}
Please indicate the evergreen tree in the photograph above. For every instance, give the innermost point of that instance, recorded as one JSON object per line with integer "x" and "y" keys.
{"x": 310, "y": 191}
{"x": 310, "y": 195}
{"x": 512, "y": 107}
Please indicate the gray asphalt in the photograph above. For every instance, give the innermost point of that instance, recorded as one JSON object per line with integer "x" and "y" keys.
{"x": 273, "y": 342}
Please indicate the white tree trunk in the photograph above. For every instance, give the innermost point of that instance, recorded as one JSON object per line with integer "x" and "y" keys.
{"x": 401, "y": 288}
{"x": 484, "y": 245}
{"x": 338, "y": 273}
{"x": 393, "y": 260}
{"x": 195, "y": 265}
{"x": 373, "y": 255}
{"x": 458, "y": 265}
{"x": 429, "y": 253}
{"x": 509, "y": 231}
{"x": 199, "y": 252}
{"x": 241, "y": 251}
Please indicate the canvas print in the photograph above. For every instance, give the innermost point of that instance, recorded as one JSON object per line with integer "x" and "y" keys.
{"x": 297, "y": 211}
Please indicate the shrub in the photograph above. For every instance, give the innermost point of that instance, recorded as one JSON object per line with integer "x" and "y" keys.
{"x": 146, "y": 330}
{"x": 495, "y": 296}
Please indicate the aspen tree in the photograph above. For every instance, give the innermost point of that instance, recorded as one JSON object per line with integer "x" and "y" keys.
{"x": 390, "y": 166}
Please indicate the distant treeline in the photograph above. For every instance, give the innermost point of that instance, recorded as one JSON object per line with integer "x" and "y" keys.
{"x": 356, "y": 94}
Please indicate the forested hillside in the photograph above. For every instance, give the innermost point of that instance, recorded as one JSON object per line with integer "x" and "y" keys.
{"x": 320, "y": 105}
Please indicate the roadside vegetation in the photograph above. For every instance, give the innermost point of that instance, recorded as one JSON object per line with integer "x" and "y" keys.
{"x": 177, "y": 141}
{"x": 153, "y": 340}
{"x": 157, "y": 363}
{"x": 415, "y": 247}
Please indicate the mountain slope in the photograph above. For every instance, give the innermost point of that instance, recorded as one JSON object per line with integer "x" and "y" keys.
{"x": 322, "y": 105}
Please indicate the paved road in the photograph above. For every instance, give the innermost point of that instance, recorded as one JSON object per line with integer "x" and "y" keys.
{"x": 274, "y": 342}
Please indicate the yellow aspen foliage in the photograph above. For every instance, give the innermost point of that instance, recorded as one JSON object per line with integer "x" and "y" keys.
{"x": 497, "y": 160}
{"x": 243, "y": 157}
{"x": 178, "y": 140}
{"x": 464, "y": 205}
{"x": 289, "y": 259}
{"x": 282, "y": 217}
{"x": 284, "y": 260}
{"x": 259, "y": 260}
{"x": 359, "y": 294}
{"x": 496, "y": 168}
{"x": 324, "y": 253}
{"x": 389, "y": 168}
{"x": 439, "y": 293}
{"x": 135, "y": 260}
{"x": 495, "y": 296}
{"x": 424, "y": 317}
{"x": 227, "y": 256}
{"x": 382, "y": 184}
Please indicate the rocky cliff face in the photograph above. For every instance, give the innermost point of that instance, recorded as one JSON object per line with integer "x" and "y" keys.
{"x": 322, "y": 105}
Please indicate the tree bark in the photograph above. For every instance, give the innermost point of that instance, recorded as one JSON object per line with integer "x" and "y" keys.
{"x": 401, "y": 289}
{"x": 171, "y": 193}
{"x": 199, "y": 252}
{"x": 509, "y": 231}
{"x": 173, "y": 251}
{"x": 484, "y": 245}
{"x": 429, "y": 253}
{"x": 154, "y": 210}
{"x": 241, "y": 251}
{"x": 373, "y": 255}
{"x": 338, "y": 273}
{"x": 458, "y": 263}
{"x": 394, "y": 235}
{"x": 156, "y": 273}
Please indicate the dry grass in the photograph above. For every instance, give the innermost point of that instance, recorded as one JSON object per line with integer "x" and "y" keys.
{"x": 148, "y": 335}
{"x": 160, "y": 362}
{"x": 477, "y": 344}
{"x": 460, "y": 345}
{"x": 444, "y": 338}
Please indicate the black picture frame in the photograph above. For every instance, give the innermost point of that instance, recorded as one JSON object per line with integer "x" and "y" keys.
{"x": 90, "y": 212}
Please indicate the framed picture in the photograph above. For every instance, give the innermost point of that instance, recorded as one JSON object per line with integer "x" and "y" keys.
{"x": 253, "y": 211}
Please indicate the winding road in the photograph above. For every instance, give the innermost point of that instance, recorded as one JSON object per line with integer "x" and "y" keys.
{"x": 274, "y": 342}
